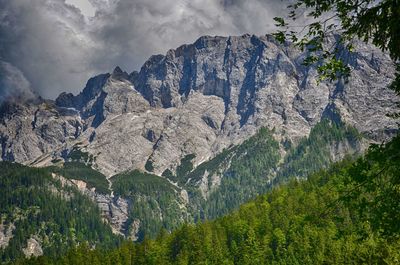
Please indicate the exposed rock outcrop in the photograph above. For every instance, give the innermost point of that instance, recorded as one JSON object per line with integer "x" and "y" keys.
{"x": 27, "y": 131}
{"x": 33, "y": 248}
{"x": 6, "y": 233}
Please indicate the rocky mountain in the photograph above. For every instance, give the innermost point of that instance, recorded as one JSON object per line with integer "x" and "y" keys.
{"x": 187, "y": 126}
{"x": 200, "y": 99}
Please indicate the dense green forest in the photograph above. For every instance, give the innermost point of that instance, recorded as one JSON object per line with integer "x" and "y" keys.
{"x": 347, "y": 214}
{"x": 40, "y": 206}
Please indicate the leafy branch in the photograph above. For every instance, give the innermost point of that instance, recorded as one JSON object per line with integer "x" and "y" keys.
{"x": 341, "y": 21}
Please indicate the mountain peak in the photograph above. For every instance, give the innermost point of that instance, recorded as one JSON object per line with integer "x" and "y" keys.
{"x": 117, "y": 70}
{"x": 208, "y": 41}
{"x": 118, "y": 73}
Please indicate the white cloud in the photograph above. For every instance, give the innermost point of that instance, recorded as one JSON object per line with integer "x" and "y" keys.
{"x": 85, "y": 7}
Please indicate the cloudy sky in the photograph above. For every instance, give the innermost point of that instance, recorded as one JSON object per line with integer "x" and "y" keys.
{"x": 53, "y": 46}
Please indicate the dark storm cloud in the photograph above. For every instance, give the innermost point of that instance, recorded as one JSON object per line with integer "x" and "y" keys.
{"x": 58, "y": 49}
{"x": 47, "y": 41}
{"x": 13, "y": 84}
{"x": 134, "y": 30}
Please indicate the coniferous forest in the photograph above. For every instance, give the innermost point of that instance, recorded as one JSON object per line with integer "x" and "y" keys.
{"x": 35, "y": 203}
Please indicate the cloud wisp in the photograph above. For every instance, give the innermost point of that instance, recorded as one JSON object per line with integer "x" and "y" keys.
{"x": 57, "y": 48}
{"x": 13, "y": 84}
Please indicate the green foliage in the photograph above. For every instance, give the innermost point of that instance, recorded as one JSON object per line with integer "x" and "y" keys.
{"x": 373, "y": 187}
{"x": 185, "y": 166}
{"x": 40, "y": 206}
{"x": 320, "y": 220}
{"x": 77, "y": 155}
{"x": 168, "y": 174}
{"x": 133, "y": 182}
{"x": 183, "y": 169}
{"x": 369, "y": 20}
{"x": 149, "y": 165}
{"x": 80, "y": 171}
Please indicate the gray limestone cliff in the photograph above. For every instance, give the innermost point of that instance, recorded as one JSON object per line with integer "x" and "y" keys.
{"x": 199, "y": 99}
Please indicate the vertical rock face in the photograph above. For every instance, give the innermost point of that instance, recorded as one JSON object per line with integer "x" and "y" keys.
{"x": 199, "y": 99}
{"x": 27, "y": 131}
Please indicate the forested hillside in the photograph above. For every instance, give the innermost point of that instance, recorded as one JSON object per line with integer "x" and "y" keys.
{"x": 345, "y": 215}
{"x": 40, "y": 210}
